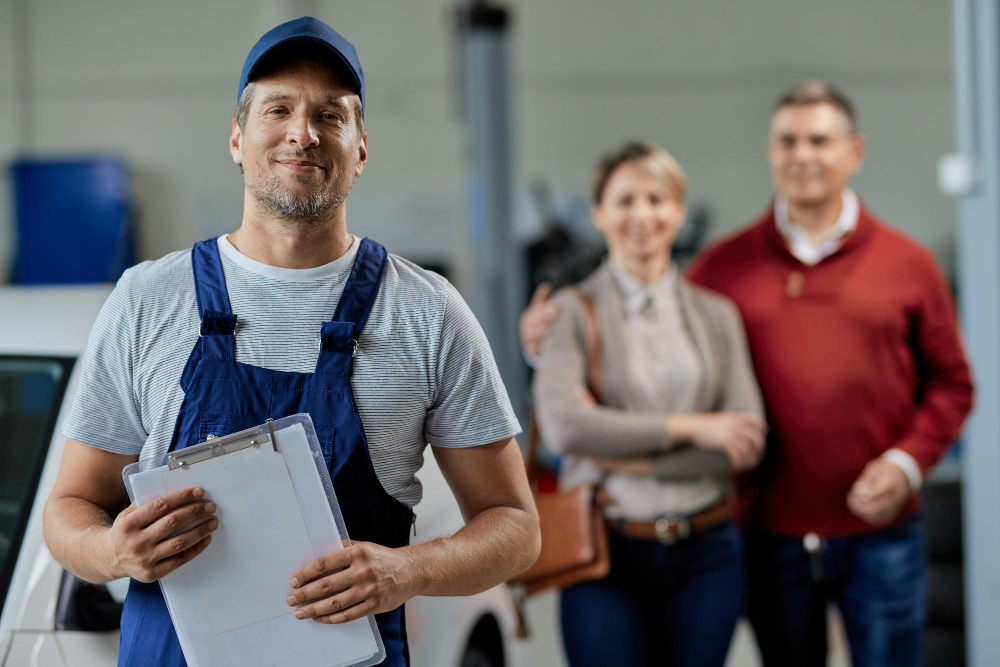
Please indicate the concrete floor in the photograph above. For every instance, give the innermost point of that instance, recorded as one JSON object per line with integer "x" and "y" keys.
{"x": 544, "y": 648}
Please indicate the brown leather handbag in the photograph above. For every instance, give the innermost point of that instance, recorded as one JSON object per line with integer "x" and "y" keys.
{"x": 574, "y": 531}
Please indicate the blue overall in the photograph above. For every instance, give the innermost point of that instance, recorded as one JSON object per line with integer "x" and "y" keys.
{"x": 222, "y": 396}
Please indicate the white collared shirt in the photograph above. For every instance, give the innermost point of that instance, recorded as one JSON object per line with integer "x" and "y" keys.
{"x": 810, "y": 253}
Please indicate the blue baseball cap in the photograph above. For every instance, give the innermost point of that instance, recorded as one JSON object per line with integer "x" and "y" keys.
{"x": 309, "y": 32}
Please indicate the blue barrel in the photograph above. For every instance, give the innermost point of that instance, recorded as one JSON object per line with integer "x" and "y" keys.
{"x": 73, "y": 220}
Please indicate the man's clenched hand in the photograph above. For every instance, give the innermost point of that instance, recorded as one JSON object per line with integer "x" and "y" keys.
{"x": 879, "y": 493}
{"x": 142, "y": 544}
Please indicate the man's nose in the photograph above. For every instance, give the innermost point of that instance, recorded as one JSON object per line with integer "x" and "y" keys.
{"x": 301, "y": 132}
{"x": 802, "y": 151}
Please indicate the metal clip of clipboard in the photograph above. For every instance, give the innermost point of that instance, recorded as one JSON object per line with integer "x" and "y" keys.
{"x": 234, "y": 442}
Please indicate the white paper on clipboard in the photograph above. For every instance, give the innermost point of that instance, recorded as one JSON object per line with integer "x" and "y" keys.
{"x": 277, "y": 511}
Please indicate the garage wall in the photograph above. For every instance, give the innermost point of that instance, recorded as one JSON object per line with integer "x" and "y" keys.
{"x": 156, "y": 82}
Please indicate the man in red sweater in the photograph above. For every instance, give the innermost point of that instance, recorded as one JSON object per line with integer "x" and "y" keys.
{"x": 854, "y": 338}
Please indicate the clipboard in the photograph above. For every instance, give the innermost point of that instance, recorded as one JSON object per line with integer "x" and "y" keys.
{"x": 277, "y": 511}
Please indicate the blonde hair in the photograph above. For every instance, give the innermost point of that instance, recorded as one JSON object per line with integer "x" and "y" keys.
{"x": 659, "y": 163}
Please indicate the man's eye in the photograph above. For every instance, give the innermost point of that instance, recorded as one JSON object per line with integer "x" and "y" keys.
{"x": 330, "y": 116}
{"x": 277, "y": 111}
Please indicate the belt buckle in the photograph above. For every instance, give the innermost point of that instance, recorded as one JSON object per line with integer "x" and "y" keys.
{"x": 670, "y": 528}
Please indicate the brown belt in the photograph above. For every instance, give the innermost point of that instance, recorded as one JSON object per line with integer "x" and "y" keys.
{"x": 671, "y": 527}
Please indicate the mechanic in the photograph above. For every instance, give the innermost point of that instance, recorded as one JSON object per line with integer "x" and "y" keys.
{"x": 220, "y": 337}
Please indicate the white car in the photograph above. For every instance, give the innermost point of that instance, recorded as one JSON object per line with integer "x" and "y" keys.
{"x": 51, "y": 619}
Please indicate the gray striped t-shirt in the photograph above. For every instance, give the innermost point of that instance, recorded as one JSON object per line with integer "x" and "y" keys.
{"x": 424, "y": 371}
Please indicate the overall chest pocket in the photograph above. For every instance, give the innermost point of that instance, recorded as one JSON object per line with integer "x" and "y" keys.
{"x": 224, "y": 423}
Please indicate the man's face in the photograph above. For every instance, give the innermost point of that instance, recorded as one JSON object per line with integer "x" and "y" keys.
{"x": 299, "y": 147}
{"x": 812, "y": 153}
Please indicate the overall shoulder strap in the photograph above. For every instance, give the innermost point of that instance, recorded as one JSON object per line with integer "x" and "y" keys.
{"x": 362, "y": 286}
{"x": 209, "y": 280}
{"x": 218, "y": 322}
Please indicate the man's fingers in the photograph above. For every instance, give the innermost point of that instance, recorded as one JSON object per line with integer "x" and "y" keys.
{"x": 864, "y": 486}
{"x": 336, "y": 560}
{"x": 538, "y": 321}
{"x": 359, "y": 610}
{"x": 344, "y": 599}
{"x": 179, "y": 543}
{"x": 152, "y": 511}
{"x": 322, "y": 587}
{"x": 542, "y": 293}
{"x": 874, "y": 517}
{"x": 168, "y": 565}
{"x": 549, "y": 312}
{"x": 161, "y": 528}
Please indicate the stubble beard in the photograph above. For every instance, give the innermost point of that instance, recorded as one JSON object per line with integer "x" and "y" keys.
{"x": 314, "y": 207}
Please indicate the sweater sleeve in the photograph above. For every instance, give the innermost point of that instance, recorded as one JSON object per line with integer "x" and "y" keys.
{"x": 946, "y": 391}
{"x": 570, "y": 426}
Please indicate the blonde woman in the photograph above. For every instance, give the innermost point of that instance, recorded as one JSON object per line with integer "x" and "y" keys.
{"x": 679, "y": 411}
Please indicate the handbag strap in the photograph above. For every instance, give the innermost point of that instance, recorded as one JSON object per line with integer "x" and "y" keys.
{"x": 593, "y": 336}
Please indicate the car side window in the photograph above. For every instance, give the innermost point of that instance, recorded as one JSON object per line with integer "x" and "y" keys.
{"x": 31, "y": 392}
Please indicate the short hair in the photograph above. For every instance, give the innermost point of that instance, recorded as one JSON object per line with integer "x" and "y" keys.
{"x": 658, "y": 162}
{"x": 815, "y": 91}
{"x": 274, "y": 61}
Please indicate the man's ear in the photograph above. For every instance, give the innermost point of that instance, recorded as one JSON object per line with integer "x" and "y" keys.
{"x": 236, "y": 143}
{"x": 859, "y": 147}
{"x": 362, "y": 155}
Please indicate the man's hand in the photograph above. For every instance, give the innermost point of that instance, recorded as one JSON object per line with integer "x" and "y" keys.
{"x": 352, "y": 582}
{"x": 536, "y": 320}
{"x": 500, "y": 539}
{"x": 879, "y": 492}
{"x": 142, "y": 543}
{"x": 741, "y": 435}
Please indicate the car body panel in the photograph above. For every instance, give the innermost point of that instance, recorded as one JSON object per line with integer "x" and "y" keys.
{"x": 35, "y": 649}
{"x": 87, "y": 649}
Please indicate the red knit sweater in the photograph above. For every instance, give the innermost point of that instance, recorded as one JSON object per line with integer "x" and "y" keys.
{"x": 854, "y": 355}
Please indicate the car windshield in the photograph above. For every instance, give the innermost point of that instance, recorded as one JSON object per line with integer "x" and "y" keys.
{"x": 31, "y": 391}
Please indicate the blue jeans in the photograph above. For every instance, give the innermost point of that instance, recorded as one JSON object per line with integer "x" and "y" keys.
{"x": 878, "y": 580}
{"x": 660, "y": 605}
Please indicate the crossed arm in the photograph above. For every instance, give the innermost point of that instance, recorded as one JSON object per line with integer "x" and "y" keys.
{"x": 500, "y": 537}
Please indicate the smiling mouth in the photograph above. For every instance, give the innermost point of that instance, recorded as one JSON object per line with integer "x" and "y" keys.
{"x": 300, "y": 165}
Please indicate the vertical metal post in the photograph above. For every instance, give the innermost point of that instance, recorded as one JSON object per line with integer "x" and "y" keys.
{"x": 977, "y": 91}
{"x": 24, "y": 77}
{"x": 486, "y": 99}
